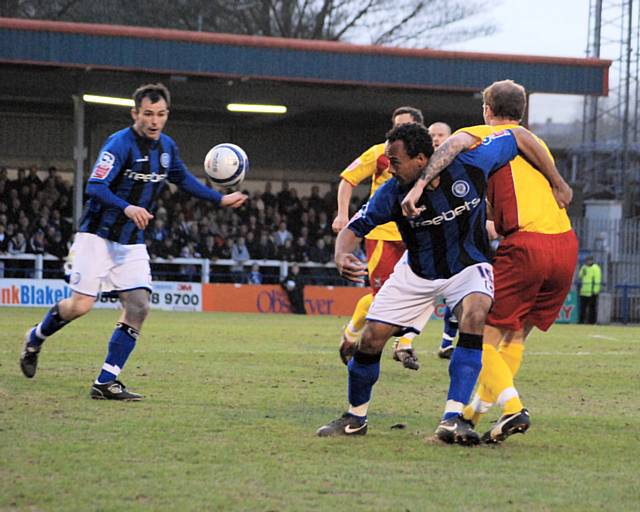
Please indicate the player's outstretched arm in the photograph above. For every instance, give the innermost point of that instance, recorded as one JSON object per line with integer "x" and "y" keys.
{"x": 439, "y": 161}
{"x": 348, "y": 265}
{"x": 345, "y": 190}
{"x": 541, "y": 160}
{"x": 233, "y": 200}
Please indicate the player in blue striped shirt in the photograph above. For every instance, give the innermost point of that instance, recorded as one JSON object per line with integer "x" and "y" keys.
{"x": 448, "y": 254}
{"x": 108, "y": 253}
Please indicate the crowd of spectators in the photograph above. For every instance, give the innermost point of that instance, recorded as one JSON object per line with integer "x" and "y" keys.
{"x": 36, "y": 218}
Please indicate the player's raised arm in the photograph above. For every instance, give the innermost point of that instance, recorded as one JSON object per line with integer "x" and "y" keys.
{"x": 540, "y": 159}
{"x": 441, "y": 158}
{"x": 345, "y": 190}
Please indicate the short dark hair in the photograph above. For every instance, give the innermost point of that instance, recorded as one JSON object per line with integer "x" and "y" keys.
{"x": 155, "y": 92}
{"x": 415, "y": 113}
{"x": 506, "y": 98}
{"x": 415, "y": 136}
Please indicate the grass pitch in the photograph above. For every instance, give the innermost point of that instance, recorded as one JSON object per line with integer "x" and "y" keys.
{"x": 233, "y": 402}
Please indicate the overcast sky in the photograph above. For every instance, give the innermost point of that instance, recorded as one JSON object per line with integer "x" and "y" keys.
{"x": 537, "y": 27}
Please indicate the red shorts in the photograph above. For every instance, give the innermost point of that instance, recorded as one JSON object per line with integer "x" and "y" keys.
{"x": 382, "y": 256}
{"x": 533, "y": 274}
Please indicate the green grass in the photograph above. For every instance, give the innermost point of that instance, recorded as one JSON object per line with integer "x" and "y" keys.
{"x": 233, "y": 402}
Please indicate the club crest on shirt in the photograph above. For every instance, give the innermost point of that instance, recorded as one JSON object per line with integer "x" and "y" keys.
{"x": 165, "y": 160}
{"x": 460, "y": 188}
{"x": 103, "y": 165}
{"x": 490, "y": 138}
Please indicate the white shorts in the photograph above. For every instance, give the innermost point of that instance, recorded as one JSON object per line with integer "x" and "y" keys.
{"x": 408, "y": 301}
{"x": 100, "y": 265}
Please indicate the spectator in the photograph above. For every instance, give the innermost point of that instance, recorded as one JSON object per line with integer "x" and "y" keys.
{"x": 281, "y": 236}
{"x": 225, "y": 251}
{"x": 323, "y": 227}
{"x": 292, "y": 208}
{"x": 15, "y": 207}
{"x": 17, "y": 244}
{"x": 330, "y": 202}
{"x": 266, "y": 249}
{"x": 165, "y": 249}
{"x": 208, "y": 249}
{"x": 37, "y": 243}
{"x": 56, "y": 246}
{"x": 54, "y": 182}
{"x": 253, "y": 225}
{"x": 285, "y": 252}
{"x": 239, "y": 254}
{"x": 293, "y": 286}
{"x": 252, "y": 244}
{"x": 33, "y": 177}
{"x": 269, "y": 200}
{"x": 189, "y": 272}
{"x": 21, "y": 180}
{"x": 284, "y": 196}
{"x": 301, "y": 250}
{"x": 257, "y": 203}
{"x": 590, "y": 284}
{"x": 255, "y": 276}
{"x": 64, "y": 205}
{"x": 319, "y": 253}
{"x": 315, "y": 201}
{"x": 158, "y": 231}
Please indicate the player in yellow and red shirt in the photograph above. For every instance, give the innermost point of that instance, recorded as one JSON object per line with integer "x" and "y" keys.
{"x": 534, "y": 263}
{"x": 383, "y": 245}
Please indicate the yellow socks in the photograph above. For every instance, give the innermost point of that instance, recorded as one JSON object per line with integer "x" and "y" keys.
{"x": 507, "y": 358}
{"x": 406, "y": 341}
{"x": 359, "y": 317}
{"x": 499, "y": 381}
{"x": 512, "y": 355}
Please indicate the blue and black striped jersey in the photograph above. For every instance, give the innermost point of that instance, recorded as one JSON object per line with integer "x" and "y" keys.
{"x": 450, "y": 234}
{"x": 135, "y": 169}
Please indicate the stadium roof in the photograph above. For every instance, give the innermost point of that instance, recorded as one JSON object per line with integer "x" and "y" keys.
{"x": 339, "y": 96}
{"x": 126, "y": 48}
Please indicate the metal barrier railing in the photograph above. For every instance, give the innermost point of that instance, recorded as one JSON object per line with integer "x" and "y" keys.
{"x": 203, "y": 264}
{"x": 627, "y": 299}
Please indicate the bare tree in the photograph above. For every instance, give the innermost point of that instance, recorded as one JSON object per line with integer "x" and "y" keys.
{"x": 409, "y": 23}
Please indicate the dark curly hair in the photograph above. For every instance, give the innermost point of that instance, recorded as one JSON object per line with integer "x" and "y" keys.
{"x": 415, "y": 137}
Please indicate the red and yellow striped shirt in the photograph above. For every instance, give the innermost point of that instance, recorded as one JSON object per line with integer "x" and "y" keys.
{"x": 373, "y": 164}
{"x": 520, "y": 195}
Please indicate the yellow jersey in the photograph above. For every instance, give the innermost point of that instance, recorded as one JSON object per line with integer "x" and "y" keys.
{"x": 374, "y": 164}
{"x": 520, "y": 195}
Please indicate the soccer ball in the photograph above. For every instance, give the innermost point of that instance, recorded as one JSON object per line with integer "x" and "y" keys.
{"x": 226, "y": 164}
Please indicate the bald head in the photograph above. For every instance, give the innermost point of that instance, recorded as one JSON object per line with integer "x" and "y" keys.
{"x": 439, "y": 132}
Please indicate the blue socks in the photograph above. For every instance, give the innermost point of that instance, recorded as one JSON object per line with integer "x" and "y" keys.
{"x": 450, "y": 328}
{"x": 464, "y": 370}
{"x": 51, "y": 323}
{"x": 122, "y": 343}
{"x": 364, "y": 370}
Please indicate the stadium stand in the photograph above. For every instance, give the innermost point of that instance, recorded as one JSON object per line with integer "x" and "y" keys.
{"x": 36, "y": 218}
